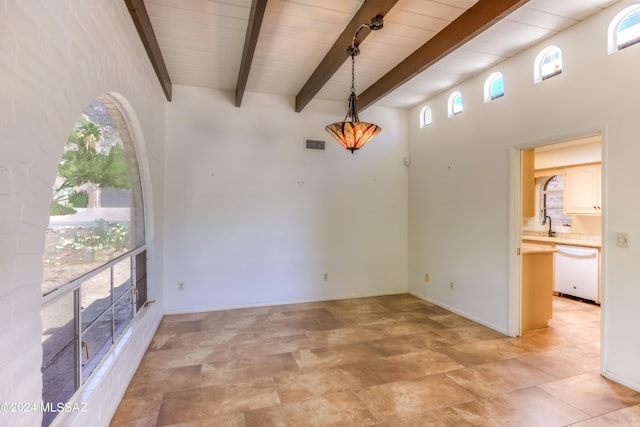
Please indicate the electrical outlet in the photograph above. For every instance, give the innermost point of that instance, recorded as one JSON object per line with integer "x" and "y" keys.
{"x": 426, "y": 277}
{"x": 326, "y": 277}
{"x": 451, "y": 285}
{"x": 181, "y": 286}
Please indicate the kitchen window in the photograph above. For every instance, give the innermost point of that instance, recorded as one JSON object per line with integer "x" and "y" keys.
{"x": 552, "y": 202}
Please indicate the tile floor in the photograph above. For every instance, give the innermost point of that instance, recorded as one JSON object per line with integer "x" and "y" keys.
{"x": 381, "y": 361}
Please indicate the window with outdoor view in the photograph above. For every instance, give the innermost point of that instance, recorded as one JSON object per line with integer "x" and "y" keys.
{"x": 95, "y": 257}
{"x": 624, "y": 29}
{"x": 548, "y": 64}
{"x": 455, "y": 104}
{"x": 553, "y": 201}
{"x": 425, "y": 116}
{"x": 493, "y": 87}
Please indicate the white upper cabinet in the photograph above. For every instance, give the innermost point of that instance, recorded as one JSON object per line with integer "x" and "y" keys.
{"x": 582, "y": 195}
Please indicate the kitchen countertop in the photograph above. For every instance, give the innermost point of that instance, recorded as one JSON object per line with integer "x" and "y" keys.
{"x": 532, "y": 248}
{"x": 591, "y": 243}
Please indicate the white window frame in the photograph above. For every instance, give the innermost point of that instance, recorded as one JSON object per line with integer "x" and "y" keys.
{"x": 612, "y": 32}
{"x": 488, "y": 84}
{"x": 538, "y": 75}
{"x": 425, "y": 116}
{"x": 451, "y": 104}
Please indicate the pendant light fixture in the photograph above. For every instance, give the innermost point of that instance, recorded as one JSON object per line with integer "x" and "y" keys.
{"x": 352, "y": 133}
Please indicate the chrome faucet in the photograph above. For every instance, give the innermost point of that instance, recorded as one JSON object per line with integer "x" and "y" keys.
{"x": 550, "y": 233}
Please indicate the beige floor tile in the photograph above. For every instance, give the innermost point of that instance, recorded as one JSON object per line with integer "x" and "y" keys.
{"x": 412, "y": 365}
{"x": 319, "y": 382}
{"x": 335, "y": 410}
{"x": 153, "y": 382}
{"x": 627, "y": 417}
{"x": 530, "y": 407}
{"x": 498, "y": 377}
{"x": 409, "y": 398}
{"x": 565, "y": 362}
{"x": 468, "y": 334}
{"x": 351, "y": 307}
{"x": 403, "y": 344}
{"x": 209, "y": 402}
{"x": 486, "y": 351}
{"x": 233, "y": 420}
{"x": 408, "y": 327}
{"x": 181, "y": 356}
{"x": 342, "y": 336}
{"x": 335, "y": 355}
{"x": 446, "y": 417}
{"x": 592, "y": 393}
{"x": 141, "y": 411}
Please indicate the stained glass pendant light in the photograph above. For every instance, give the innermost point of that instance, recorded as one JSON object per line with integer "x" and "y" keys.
{"x": 352, "y": 133}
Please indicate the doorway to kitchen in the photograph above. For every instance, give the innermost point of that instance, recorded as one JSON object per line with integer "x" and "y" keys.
{"x": 559, "y": 240}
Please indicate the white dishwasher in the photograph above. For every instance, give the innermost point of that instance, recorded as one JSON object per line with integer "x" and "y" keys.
{"x": 577, "y": 272}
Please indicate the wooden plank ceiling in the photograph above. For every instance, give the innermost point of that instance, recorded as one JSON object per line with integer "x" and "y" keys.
{"x": 295, "y": 47}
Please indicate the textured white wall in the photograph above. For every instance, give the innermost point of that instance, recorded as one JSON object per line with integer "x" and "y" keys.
{"x": 253, "y": 219}
{"x": 461, "y": 182}
{"x": 55, "y": 58}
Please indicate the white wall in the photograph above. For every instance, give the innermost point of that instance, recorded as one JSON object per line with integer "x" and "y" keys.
{"x": 461, "y": 182}
{"x": 254, "y": 219}
{"x": 55, "y": 58}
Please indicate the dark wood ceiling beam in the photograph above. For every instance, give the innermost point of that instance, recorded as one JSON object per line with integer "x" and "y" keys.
{"x": 141, "y": 20}
{"x": 337, "y": 55}
{"x": 475, "y": 20}
{"x": 250, "y": 41}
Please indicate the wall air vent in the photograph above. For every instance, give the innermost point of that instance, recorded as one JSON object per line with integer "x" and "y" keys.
{"x": 314, "y": 144}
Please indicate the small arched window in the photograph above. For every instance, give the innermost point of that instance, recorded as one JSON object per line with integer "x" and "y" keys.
{"x": 624, "y": 29}
{"x": 548, "y": 64}
{"x": 552, "y": 202}
{"x": 425, "y": 116}
{"x": 493, "y": 87}
{"x": 455, "y": 104}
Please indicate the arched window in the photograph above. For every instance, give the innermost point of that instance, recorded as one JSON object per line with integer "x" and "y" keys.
{"x": 425, "y": 116}
{"x": 624, "y": 29}
{"x": 552, "y": 202}
{"x": 95, "y": 253}
{"x": 455, "y": 104}
{"x": 548, "y": 63}
{"x": 493, "y": 87}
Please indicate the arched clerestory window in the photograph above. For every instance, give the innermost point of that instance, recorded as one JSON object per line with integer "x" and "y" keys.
{"x": 455, "y": 105}
{"x": 624, "y": 29}
{"x": 425, "y": 116}
{"x": 95, "y": 253}
{"x": 493, "y": 87}
{"x": 548, "y": 64}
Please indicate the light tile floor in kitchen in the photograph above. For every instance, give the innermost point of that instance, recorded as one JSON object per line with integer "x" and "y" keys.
{"x": 381, "y": 361}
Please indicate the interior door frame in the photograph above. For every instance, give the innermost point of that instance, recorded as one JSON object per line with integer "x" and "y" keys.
{"x": 515, "y": 231}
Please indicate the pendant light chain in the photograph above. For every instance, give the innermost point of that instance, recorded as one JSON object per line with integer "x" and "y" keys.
{"x": 353, "y": 73}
